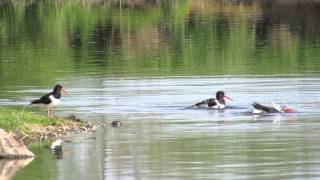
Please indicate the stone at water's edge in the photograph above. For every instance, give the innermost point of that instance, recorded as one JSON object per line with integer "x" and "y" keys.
{"x": 10, "y": 148}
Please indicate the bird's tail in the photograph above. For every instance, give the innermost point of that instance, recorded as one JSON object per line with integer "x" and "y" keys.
{"x": 37, "y": 101}
{"x": 196, "y": 105}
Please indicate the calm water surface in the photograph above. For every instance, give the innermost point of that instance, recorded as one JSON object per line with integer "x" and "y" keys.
{"x": 143, "y": 62}
{"x": 161, "y": 139}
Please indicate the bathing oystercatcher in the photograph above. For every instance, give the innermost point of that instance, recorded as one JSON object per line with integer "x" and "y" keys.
{"x": 277, "y": 108}
{"x": 116, "y": 124}
{"x": 51, "y": 99}
{"x": 215, "y": 103}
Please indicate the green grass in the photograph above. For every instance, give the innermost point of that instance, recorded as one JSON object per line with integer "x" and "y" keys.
{"x": 11, "y": 119}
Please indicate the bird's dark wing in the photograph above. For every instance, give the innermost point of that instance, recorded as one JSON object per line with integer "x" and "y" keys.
{"x": 264, "y": 108}
{"x": 209, "y": 102}
{"x": 43, "y": 100}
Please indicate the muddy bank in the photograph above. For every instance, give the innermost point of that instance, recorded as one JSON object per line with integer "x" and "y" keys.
{"x": 39, "y": 133}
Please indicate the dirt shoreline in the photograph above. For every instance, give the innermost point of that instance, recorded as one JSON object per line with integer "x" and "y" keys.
{"x": 39, "y": 133}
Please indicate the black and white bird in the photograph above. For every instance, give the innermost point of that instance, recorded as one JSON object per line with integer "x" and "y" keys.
{"x": 215, "y": 103}
{"x": 116, "y": 124}
{"x": 276, "y": 108}
{"x": 51, "y": 99}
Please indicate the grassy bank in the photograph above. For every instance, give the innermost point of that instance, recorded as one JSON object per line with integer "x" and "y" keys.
{"x": 12, "y": 119}
{"x": 29, "y": 127}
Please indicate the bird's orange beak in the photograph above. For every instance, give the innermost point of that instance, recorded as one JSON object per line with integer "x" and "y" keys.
{"x": 289, "y": 110}
{"x": 226, "y": 97}
{"x": 64, "y": 91}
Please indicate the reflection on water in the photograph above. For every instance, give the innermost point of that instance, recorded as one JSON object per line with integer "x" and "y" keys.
{"x": 233, "y": 151}
{"x": 142, "y": 62}
{"x": 9, "y": 167}
{"x": 42, "y": 42}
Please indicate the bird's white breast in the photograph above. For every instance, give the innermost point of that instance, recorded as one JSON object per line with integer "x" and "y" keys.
{"x": 54, "y": 101}
{"x": 218, "y": 106}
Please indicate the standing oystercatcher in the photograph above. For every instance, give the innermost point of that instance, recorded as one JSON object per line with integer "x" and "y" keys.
{"x": 277, "y": 108}
{"x": 51, "y": 99}
{"x": 215, "y": 103}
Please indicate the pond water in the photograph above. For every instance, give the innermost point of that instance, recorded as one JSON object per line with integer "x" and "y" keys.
{"x": 144, "y": 62}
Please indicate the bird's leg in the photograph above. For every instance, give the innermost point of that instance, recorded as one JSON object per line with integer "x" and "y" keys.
{"x": 50, "y": 114}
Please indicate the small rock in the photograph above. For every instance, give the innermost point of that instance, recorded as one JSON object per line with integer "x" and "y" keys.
{"x": 83, "y": 128}
{"x": 89, "y": 126}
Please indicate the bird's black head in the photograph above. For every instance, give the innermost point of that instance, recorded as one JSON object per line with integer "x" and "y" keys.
{"x": 220, "y": 95}
{"x": 58, "y": 88}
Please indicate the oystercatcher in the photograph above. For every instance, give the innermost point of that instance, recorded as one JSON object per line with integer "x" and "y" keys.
{"x": 215, "y": 103}
{"x": 51, "y": 99}
{"x": 277, "y": 108}
{"x": 116, "y": 124}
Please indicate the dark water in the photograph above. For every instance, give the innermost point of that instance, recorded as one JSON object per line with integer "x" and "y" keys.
{"x": 143, "y": 62}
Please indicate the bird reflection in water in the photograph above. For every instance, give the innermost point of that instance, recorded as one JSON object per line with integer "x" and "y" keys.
{"x": 56, "y": 148}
